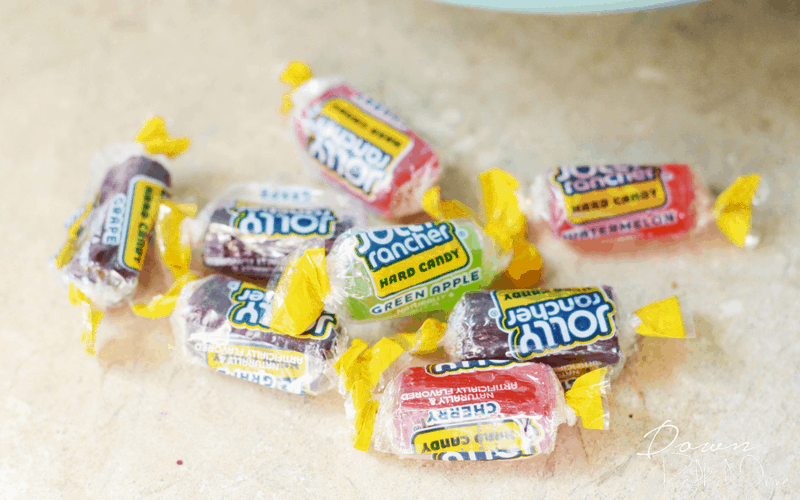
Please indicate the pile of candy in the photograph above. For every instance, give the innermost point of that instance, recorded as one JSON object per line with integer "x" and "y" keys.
{"x": 287, "y": 271}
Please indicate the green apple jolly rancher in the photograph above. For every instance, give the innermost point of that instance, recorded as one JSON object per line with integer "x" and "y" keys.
{"x": 395, "y": 271}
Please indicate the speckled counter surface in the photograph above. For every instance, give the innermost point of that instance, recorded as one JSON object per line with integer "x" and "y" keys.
{"x": 716, "y": 85}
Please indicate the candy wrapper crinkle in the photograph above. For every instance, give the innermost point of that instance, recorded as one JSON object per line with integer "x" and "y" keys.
{"x": 623, "y": 207}
{"x": 221, "y": 323}
{"x": 250, "y": 229}
{"x": 358, "y": 144}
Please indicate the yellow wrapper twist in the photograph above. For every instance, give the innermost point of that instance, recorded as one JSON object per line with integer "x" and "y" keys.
{"x": 156, "y": 139}
{"x": 295, "y": 74}
{"x": 733, "y": 209}
{"x": 69, "y": 248}
{"x": 300, "y": 294}
{"x": 588, "y": 398}
{"x": 175, "y": 253}
{"x": 92, "y": 317}
{"x": 504, "y": 222}
{"x": 360, "y": 369}
{"x": 440, "y": 209}
{"x": 662, "y": 319}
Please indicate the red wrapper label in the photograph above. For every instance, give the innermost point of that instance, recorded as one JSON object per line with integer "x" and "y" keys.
{"x": 476, "y": 410}
{"x": 613, "y": 201}
{"x": 361, "y": 146}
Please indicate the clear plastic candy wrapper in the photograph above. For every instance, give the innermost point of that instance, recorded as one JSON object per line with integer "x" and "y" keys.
{"x": 396, "y": 271}
{"x": 220, "y": 322}
{"x": 471, "y": 410}
{"x": 358, "y": 144}
{"x": 253, "y": 227}
{"x": 572, "y": 330}
{"x": 107, "y": 242}
{"x": 467, "y": 410}
{"x": 390, "y": 272}
{"x": 621, "y": 207}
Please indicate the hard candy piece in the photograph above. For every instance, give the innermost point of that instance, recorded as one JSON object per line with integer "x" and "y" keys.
{"x": 471, "y": 410}
{"x": 357, "y": 144}
{"x": 222, "y": 324}
{"x": 252, "y": 241}
{"x": 594, "y": 205}
{"x": 572, "y": 330}
{"x": 115, "y": 234}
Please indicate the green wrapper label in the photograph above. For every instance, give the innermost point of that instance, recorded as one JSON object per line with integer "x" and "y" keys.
{"x": 411, "y": 269}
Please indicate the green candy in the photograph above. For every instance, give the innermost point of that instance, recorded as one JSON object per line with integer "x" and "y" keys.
{"x": 397, "y": 271}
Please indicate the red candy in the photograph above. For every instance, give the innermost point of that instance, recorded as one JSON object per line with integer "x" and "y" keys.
{"x": 361, "y": 146}
{"x": 471, "y": 410}
{"x": 593, "y": 204}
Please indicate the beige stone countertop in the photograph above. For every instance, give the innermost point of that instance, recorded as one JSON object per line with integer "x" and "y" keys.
{"x": 715, "y": 84}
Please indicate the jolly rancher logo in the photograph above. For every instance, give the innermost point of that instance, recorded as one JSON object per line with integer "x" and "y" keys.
{"x": 546, "y": 321}
{"x": 355, "y": 145}
{"x": 400, "y": 258}
{"x": 284, "y": 222}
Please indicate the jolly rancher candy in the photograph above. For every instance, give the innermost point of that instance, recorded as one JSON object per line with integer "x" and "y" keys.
{"x": 108, "y": 241}
{"x": 471, "y": 410}
{"x": 252, "y": 228}
{"x": 468, "y": 410}
{"x": 574, "y": 330}
{"x": 221, "y": 322}
{"x": 388, "y": 272}
{"x": 358, "y": 144}
{"x": 620, "y": 207}
{"x": 396, "y": 271}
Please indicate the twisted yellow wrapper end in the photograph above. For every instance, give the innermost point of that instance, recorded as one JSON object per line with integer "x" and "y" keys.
{"x": 163, "y": 304}
{"x": 661, "y": 319}
{"x": 525, "y": 269}
{"x": 426, "y": 339}
{"x": 175, "y": 253}
{"x": 588, "y": 398}
{"x": 156, "y": 139}
{"x": 361, "y": 367}
{"x": 92, "y": 317}
{"x": 505, "y": 222}
{"x": 365, "y": 425}
{"x": 300, "y": 294}
{"x": 295, "y": 74}
{"x": 348, "y": 361}
{"x": 440, "y": 209}
{"x": 733, "y": 209}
